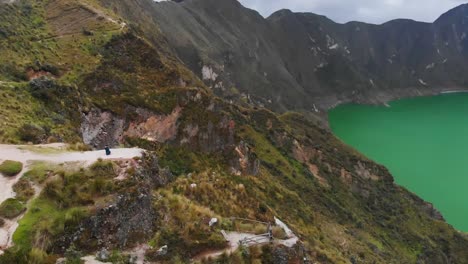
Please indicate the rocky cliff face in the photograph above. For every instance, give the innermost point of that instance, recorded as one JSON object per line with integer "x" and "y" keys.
{"x": 306, "y": 61}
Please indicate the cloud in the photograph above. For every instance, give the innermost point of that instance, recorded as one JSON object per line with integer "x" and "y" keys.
{"x": 371, "y": 11}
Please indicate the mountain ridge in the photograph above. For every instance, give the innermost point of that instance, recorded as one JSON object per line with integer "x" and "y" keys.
{"x": 460, "y": 7}
{"x": 352, "y": 62}
{"x": 107, "y": 73}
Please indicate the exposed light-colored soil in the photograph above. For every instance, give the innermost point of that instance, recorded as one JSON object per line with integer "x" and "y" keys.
{"x": 92, "y": 260}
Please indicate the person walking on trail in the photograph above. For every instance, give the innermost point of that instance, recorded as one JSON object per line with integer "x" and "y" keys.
{"x": 108, "y": 152}
{"x": 270, "y": 232}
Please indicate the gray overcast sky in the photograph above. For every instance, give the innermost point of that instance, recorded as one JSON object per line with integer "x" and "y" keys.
{"x": 371, "y": 11}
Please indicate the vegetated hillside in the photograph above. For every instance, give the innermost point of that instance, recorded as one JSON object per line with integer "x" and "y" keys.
{"x": 298, "y": 60}
{"x": 45, "y": 47}
{"x": 101, "y": 81}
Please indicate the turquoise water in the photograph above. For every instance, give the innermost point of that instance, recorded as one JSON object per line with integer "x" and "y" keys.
{"x": 424, "y": 143}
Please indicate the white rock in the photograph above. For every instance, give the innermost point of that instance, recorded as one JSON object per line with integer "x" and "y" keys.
{"x": 286, "y": 229}
{"x": 208, "y": 73}
{"x": 334, "y": 46}
{"x": 213, "y": 221}
{"x": 163, "y": 250}
{"x": 430, "y": 66}
{"x": 315, "y": 108}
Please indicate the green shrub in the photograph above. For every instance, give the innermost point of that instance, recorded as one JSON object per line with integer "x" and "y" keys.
{"x": 43, "y": 88}
{"x": 98, "y": 186}
{"x": 53, "y": 190}
{"x": 74, "y": 216}
{"x": 79, "y": 147}
{"x": 10, "y": 70}
{"x": 73, "y": 256}
{"x": 15, "y": 255}
{"x": 11, "y": 208}
{"x": 23, "y": 189}
{"x": 11, "y": 168}
{"x": 32, "y": 133}
{"x": 50, "y": 68}
{"x": 118, "y": 257}
{"x": 38, "y": 172}
{"x": 37, "y": 256}
{"x": 178, "y": 159}
{"x": 279, "y": 233}
{"x": 103, "y": 169}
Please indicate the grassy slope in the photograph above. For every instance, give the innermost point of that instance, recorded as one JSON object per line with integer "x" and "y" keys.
{"x": 370, "y": 221}
{"x": 33, "y": 40}
{"x": 67, "y": 198}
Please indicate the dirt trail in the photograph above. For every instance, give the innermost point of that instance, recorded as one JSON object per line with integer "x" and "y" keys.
{"x": 234, "y": 238}
{"x": 58, "y": 154}
{"x": 23, "y": 154}
{"x": 92, "y": 260}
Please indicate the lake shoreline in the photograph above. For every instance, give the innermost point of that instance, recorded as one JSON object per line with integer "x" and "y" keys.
{"x": 418, "y": 139}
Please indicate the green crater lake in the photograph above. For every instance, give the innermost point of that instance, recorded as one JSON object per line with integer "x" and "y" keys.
{"x": 422, "y": 141}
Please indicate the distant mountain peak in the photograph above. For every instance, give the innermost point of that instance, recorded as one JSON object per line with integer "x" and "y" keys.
{"x": 453, "y": 14}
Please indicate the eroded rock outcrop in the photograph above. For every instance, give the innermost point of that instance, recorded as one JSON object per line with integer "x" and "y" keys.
{"x": 246, "y": 162}
{"x": 100, "y": 128}
{"x": 129, "y": 219}
{"x": 156, "y": 128}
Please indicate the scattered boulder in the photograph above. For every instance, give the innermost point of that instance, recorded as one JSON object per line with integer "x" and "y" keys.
{"x": 103, "y": 255}
{"x": 213, "y": 221}
{"x": 61, "y": 261}
{"x": 162, "y": 251}
{"x": 281, "y": 255}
